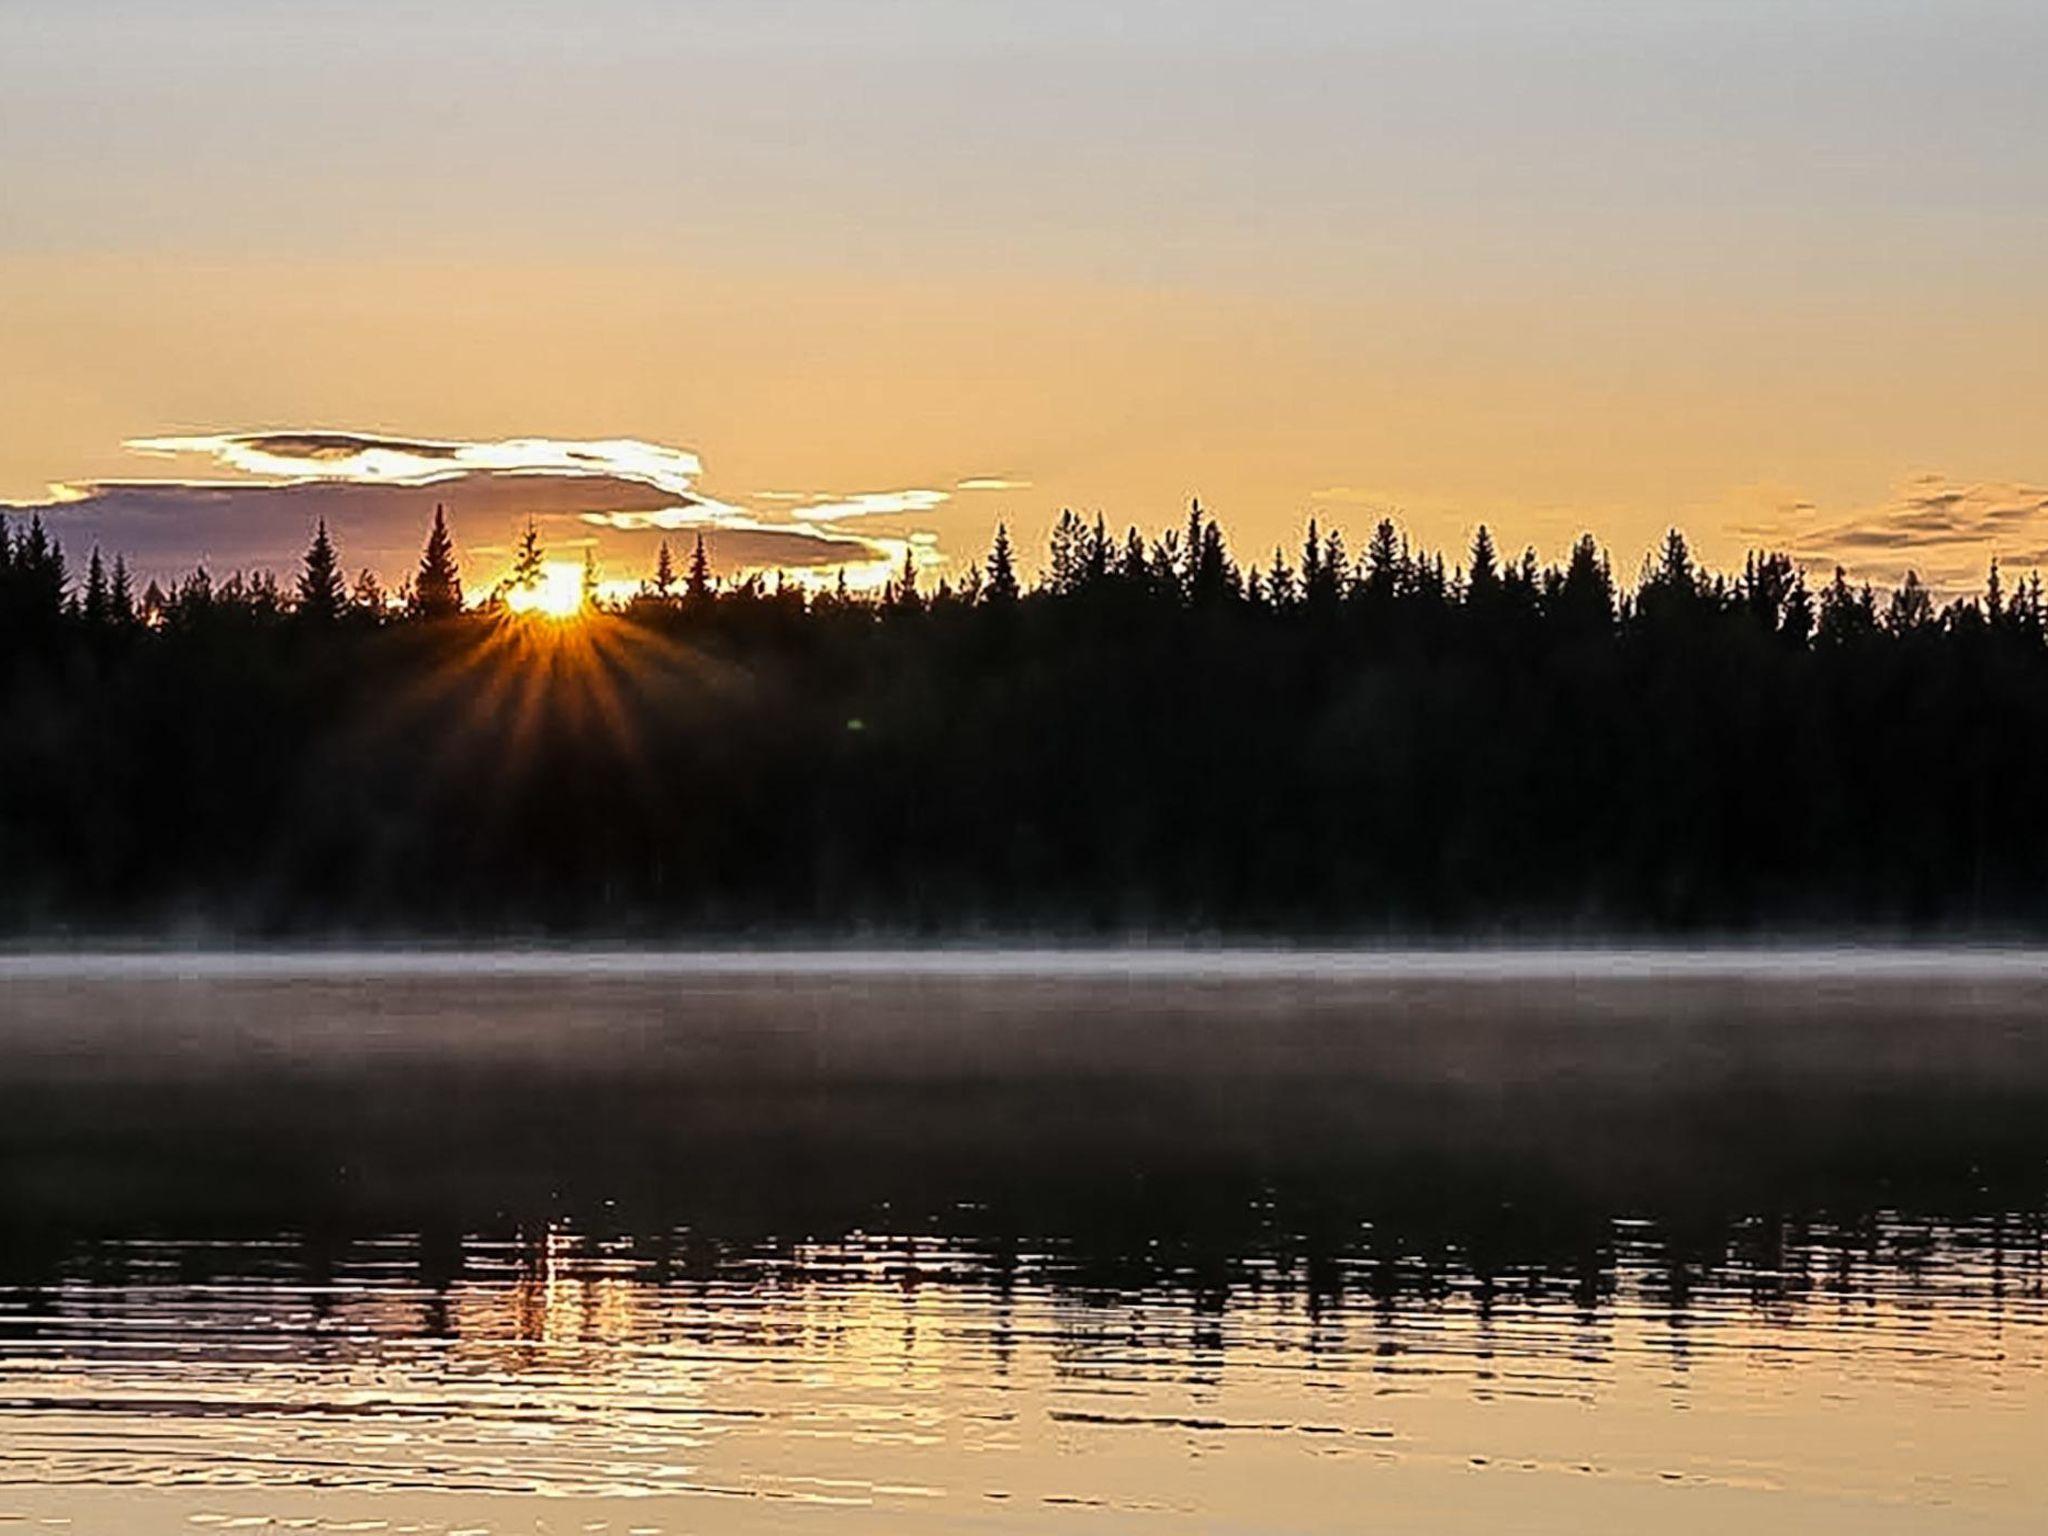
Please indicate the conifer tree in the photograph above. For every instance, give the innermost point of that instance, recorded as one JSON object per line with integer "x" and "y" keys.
{"x": 437, "y": 589}
{"x": 903, "y": 590}
{"x": 1001, "y": 586}
{"x": 39, "y": 572}
{"x": 1584, "y": 599}
{"x": 1312, "y": 560}
{"x": 699, "y": 586}
{"x": 97, "y": 606}
{"x": 122, "y": 594}
{"x": 664, "y": 571}
{"x": 368, "y": 595}
{"x": 1133, "y": 568}
{"x": 1483, "y": 583}
{"x": 1384, "y": 563}
{"x": 1096, "y": 557}
{"x": 1066, "y": 552}
{"x": 1213, "y": 577}
{"x": 1190, "y": 576}
{"x": 1911, "y": 606}
{"x": 527, "y": 561}
{"x": 1845, "y": 614}
{"x": 1337, "y": 564}
{"x": 1280, "y": 582}
{"x": 321, "y": 593}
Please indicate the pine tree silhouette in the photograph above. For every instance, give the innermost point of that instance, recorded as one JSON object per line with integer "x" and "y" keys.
{"x": 1066, "y": 553}
{"x": 40, "y": 574}
{"x": 122, "y": 594}
{"x": 664, "y": 571}
{"x": 1001, "y": 586}
{"x": 1518, "y": 744}
{"x": 527, "y": 562}
{"x": 367, "y": 596}
{"x": 902, "y": 592}
{"x": 1583, "y": 602}
{"x": 97, "y": 606}
{"x": 1911, "y": 607}
{"x": 699, "y": 586}
{"x": 321, "y": 593}
{"x": 437, "y": 588}
{"x": 1483, "y": 582}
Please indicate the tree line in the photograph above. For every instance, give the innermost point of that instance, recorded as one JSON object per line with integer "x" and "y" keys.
{"x": 1149, "y": 736}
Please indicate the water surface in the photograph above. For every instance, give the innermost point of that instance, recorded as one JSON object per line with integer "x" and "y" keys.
{"x": 557, "y": 1244}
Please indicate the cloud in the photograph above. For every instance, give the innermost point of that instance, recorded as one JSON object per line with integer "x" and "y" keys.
{"x": 1946, "y": 530}
{"x": 377, "y": 493}
{"x": 739, "y": 542}
{"x": 413, "y": 461}
{"x": 991, "y": 483}
{"x": 835, "y": 506}
{"x": 166, "y": 527}
{"x": 873, "y": 504}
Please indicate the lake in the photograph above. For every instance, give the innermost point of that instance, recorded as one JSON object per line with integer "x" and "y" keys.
{"x": 869, "y": 1242}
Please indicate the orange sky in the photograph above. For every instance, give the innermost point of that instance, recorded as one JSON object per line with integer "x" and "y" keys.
{"x": 1768, "y": 272}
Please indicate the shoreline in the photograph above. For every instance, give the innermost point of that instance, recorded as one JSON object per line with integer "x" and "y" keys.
{"x": 1848, "y": 961}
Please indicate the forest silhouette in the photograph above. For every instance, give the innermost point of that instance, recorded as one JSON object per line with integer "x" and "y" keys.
{"x": 1150, "y": 739}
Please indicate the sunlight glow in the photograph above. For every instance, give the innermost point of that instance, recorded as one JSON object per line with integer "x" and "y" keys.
{"x": 557, "y": 595}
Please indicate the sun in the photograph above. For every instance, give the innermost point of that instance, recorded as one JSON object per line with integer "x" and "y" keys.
{"x": 557, "y": 595}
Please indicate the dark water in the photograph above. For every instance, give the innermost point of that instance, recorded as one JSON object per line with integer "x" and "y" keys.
{"x": 1264, "y": 1244}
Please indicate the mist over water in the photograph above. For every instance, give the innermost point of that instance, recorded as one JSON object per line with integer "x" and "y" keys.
{"x": 1531, "y": 1241}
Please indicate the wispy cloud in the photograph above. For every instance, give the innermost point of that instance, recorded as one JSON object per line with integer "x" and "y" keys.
{"x": 873, "y": 504}
{"x": 838, "y": 506}
{"x": 414, "y": 461}
{"x": 1946, "y": 530}
{"x": 991, "y": 483}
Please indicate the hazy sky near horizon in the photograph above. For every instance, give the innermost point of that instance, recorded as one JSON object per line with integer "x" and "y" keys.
{"x": 1772, "y": 271}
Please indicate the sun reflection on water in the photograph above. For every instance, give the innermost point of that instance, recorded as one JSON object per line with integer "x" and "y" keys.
{"x": 916, "y": 1384}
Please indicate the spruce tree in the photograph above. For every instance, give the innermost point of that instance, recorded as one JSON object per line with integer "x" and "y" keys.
{"x": 437, "y": 589}
{"x": 368, "y": 595}
{"x": 902, "y": 592}
{"x": 1383, "y": 563}
{"x": 1912, "y": 606}
{"x": 41, "y": 580}
{"x": 700, "y": 573}
{"x": 1484, "y": 581}
{"x": 1135, "y": 567}
{"x": 1068, "y": 551}
{"x": 1001, "y": 586}
{"x": 1279, "y": 582}
{"x": 1584, "y": 600}
{"x": 122, "y": 594}
{"x": 1096, "y": 557}
{"x": 97, "y": 605}
{"x": 321, "y": 593}
{"x": 664, "y": 571}
{"x": 527, "y": 563}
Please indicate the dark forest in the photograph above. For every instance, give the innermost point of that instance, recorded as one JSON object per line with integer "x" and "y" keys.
{"x": 1153, "y": 740}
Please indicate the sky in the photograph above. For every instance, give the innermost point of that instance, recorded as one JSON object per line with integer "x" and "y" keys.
{"x": 841, "y": 280}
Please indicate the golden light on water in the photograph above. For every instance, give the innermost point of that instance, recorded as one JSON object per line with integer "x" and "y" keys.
{"x": 557, "y": 595}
